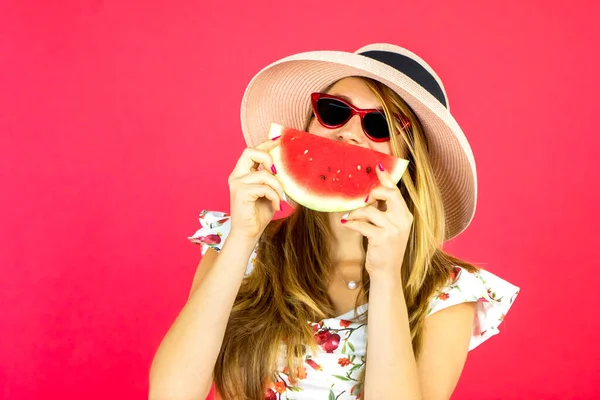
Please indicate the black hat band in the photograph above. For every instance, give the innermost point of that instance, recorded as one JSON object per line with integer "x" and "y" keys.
{"x": 410, "y": 68}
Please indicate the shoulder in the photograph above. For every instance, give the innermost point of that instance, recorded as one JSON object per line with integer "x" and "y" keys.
{"x": 214, "y": 230}
{"x": 491, "y": 295}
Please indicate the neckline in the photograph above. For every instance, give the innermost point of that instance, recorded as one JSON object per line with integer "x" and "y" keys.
{"x": 359, "y": 310}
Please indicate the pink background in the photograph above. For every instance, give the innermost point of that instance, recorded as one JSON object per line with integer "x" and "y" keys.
{"x": 119, "y": 122}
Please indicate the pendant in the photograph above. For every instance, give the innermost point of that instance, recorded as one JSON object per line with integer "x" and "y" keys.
{"x": 352, "y": 285}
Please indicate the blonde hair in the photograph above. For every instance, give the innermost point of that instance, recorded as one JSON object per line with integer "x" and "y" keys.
{"x": 292, "y": 271}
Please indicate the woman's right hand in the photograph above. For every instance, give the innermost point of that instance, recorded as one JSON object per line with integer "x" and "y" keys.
{"x": 255, "y": 194}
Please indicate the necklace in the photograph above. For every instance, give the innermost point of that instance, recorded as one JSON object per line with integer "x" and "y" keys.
{"x": 351, "y": 284}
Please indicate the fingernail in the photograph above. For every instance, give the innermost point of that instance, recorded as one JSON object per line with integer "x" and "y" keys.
{"x": 367, "y": 199}
{"x": 345, "y": 218}
{"x": 273, "y": 169}
{"x": 280, "y": 207}
{"x": 380, "y": 165}
{"x": 276, "y": 137}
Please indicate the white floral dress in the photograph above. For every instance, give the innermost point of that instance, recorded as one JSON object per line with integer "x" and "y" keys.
{"x": 333, "y": 373}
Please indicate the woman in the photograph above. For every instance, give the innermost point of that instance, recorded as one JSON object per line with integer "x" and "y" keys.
{"x": 279, "y": 309}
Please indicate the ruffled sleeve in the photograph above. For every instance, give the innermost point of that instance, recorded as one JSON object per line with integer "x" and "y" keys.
{"x": 494, "y": 297}
{"x": 214, "y": 229}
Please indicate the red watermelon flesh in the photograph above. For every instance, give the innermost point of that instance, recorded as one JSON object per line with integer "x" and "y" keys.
{"x": 328, "y": 175}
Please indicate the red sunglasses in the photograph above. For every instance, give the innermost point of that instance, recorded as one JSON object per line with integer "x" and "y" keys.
{"x": 333, "y": 112}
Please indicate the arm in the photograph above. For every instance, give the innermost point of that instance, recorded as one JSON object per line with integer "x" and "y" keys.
{"x": 391, "y": 366}
{"x": 446, "y": 338}
{"x": 392, "y": 371}
{"x": 183, "y": 365}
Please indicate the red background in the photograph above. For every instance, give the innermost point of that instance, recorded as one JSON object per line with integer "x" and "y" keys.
{"x": 119, "y": 122}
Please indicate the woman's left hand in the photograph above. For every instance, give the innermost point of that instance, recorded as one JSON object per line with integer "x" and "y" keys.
{"x": 386, "y": 222}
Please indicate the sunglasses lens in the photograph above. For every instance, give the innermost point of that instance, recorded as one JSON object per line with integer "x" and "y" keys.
{"x": 333, "y": 112}
{"x": 376, "y": 125}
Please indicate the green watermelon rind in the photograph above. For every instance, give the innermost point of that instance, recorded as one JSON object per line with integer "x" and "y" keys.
{"x": 323, "y": 203}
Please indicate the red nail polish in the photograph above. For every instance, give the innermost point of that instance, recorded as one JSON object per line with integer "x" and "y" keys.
{"x": 273, "y": 169}
{"x": 280, "y": 207}
{"x": 367, "y": 199}
{"x": 276, "y": 137}
{"x": 343, "y": 221}
{"x": 380, "y": 165}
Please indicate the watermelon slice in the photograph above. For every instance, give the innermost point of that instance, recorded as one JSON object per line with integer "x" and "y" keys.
{"x": 328, "y": 175}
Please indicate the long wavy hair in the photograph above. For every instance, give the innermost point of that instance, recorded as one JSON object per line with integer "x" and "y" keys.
{"x": 293, "y": 269}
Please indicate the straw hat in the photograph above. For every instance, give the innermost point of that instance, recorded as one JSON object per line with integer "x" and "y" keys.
{"x": 280, "y": 93}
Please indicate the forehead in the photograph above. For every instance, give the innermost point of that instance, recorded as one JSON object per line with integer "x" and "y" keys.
{"x": 356, "y": 91}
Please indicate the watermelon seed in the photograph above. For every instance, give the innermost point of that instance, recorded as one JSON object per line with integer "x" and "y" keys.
{"x": 338, "y": 171}
{"x": 323, "y": 177}
{"x": 305, "y": 151}
{"x": 310, "y": 159}
{"x": 349, "y": 175}
{"x": 358, "y": 167}
{"x": 368, "y": 170}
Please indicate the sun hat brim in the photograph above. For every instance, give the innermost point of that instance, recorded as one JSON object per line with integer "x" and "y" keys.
{"x": 280, "y": 93}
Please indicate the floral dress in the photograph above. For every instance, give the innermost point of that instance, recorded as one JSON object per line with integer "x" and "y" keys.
{"x": 333, "y": 373}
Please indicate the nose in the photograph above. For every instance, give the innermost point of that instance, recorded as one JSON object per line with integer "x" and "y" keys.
{"x": 352, "y": 131}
